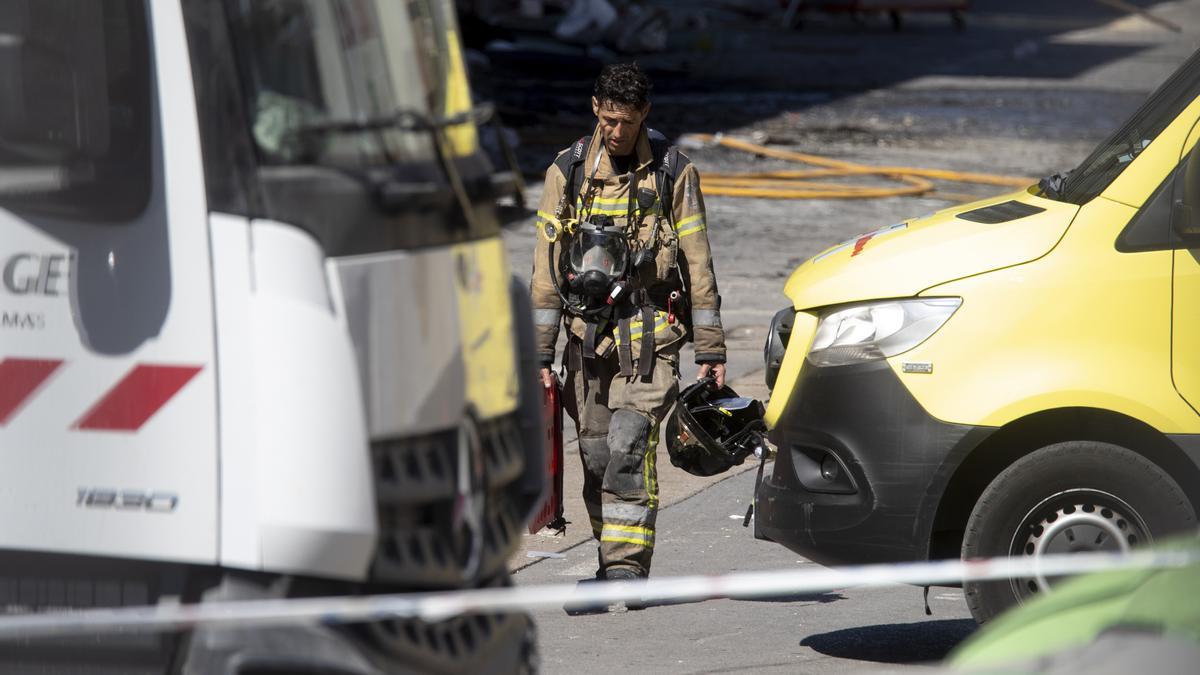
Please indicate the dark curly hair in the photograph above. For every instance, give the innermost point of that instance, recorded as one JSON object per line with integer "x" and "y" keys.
{"x": 623, "y": 84}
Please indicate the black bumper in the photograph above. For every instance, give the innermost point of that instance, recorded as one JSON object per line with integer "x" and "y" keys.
{"x": 893, "y": 463}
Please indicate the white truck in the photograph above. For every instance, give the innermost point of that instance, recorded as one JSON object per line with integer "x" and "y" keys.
{"x": 258, "y": 336}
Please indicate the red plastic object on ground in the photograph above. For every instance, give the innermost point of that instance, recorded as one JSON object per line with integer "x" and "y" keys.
{"x": 550, "y": 514}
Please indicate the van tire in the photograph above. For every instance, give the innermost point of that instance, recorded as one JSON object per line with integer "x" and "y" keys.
{"x": 1068, "y": 497}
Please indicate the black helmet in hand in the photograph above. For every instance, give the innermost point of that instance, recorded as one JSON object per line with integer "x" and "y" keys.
{"x": 712, "y": 429}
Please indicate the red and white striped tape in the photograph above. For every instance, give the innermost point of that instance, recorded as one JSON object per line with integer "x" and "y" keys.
{"x": 442, "y": 605}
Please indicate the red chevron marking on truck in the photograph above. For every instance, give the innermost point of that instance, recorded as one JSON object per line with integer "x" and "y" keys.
{"x": 137, "y": 397}
{"x": 19, "y": 380}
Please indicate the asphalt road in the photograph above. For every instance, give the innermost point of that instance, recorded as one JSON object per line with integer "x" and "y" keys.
{"x": 1027, "y": 90}
{"x": 844, "y": 630}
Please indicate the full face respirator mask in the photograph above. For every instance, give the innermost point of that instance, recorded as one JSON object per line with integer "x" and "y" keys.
{"x": 599, "y": 257}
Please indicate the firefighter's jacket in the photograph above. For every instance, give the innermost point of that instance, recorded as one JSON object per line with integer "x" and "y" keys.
{"x": 682, "y": 251}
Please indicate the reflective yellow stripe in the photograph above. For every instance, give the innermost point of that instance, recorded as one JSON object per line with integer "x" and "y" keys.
{"x": 640, "y": 538}
{"x": 635, "y": 329}
{"x": 546, "y": 216}
{"x": 628, "y": 537}
{"x": 660, "y": 324}
{"x": 616, "y": 204}
{"x": 650, "y": 469}
{"x": 616, "y": 201}
{"x": 686, "y": 227}
{"x": 614, "y": 211}
{"x": 632, "y": 529}
{"x": 607, "y": 212}
{"x": 623, "y": 540}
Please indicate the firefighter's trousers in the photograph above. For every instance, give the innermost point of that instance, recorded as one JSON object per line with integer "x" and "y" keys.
{"x": 618, "y": 419}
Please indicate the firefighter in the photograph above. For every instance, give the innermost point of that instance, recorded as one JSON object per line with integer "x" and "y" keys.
{"x": 622, "y": 261}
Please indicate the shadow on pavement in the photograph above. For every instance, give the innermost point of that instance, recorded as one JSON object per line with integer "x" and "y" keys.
{"x": 811, "y": 598}
{"x": 893, "y": 643}
{"x": 818, "y": 598}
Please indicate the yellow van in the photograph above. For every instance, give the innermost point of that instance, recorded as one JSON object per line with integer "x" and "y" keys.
{"x": 1018, "y": 376}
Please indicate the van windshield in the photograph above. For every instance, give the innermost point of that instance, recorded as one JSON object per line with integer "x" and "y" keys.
{"x": 1108, "y": 160}
{"x": 317, "y": 71}
{"x": 75, "y": 122}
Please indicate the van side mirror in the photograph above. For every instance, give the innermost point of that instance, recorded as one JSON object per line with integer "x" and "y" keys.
{"x": 1183, "y": 222}
{"x": 1184, "y": 218}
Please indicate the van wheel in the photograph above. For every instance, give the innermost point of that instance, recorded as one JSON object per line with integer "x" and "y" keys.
{"x": 1079, "y": 496}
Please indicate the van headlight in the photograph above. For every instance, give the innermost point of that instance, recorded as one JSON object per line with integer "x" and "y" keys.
{"x": 877, "y": 330}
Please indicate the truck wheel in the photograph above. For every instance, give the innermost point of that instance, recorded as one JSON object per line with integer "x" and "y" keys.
{"x": 1079, "y": 496}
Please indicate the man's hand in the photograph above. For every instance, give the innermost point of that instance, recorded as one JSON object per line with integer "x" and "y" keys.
{"x": 548, "y": 377}
{"x": 717, "y": 370}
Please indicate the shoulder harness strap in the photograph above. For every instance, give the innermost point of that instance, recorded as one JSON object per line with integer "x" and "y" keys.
{"x": 568, "y": 163}
{"x": 668, "y": 162}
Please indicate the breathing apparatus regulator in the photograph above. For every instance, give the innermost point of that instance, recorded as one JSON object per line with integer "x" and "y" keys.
{"x": 592, "y": 262}
{"x": 598, "y": 260}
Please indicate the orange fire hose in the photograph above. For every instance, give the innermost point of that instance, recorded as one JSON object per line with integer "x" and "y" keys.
{"x": 800, "y": 184}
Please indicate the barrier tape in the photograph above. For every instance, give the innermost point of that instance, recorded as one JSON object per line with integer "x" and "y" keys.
{"x": 437, "y": 606}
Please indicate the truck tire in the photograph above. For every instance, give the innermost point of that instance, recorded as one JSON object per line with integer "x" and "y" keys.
{"x": 493, "y": 643}
{"x": 1078, "y": 496}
